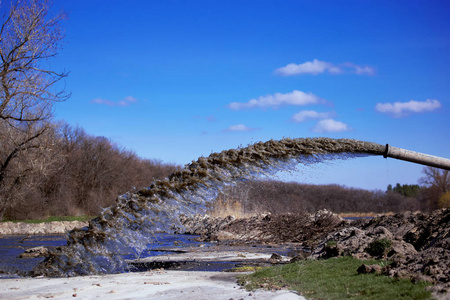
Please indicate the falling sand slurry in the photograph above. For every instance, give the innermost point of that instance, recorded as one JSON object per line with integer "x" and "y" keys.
{"x": 128, "y": 226}
{"x": 143, "y": 285}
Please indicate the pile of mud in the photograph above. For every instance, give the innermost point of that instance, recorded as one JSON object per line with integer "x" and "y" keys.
{"x": 417, "y": 244}
{"x": 302, "y": 228}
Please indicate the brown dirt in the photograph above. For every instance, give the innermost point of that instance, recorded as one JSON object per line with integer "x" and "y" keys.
{"x": 417, "y": 244}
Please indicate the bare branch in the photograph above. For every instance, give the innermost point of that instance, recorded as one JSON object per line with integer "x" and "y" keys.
{"x": 29, "y": 37}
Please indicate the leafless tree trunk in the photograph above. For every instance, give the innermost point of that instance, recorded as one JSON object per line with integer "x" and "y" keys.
{"x": 28, "y": 89}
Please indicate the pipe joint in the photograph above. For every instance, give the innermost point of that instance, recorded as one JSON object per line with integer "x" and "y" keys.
{"x": 386, "y": 151}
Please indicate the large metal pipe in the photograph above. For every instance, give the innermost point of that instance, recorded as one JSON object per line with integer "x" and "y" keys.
{"x": 416, "y": 157}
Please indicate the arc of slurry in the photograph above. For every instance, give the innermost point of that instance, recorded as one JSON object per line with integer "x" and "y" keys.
{"x": 135, "y": 215}
{"x": 138, "y": 214}
{"x": 417, "y": 157}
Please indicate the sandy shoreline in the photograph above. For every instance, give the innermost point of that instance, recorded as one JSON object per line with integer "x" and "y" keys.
{"x": 56, "y": 227}
{"x": 183, "y": 284}
{"x": 142, "y": 285}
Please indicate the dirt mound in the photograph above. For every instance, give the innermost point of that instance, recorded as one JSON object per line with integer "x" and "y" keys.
{"x": 417, "y": 244}
{"x": 265, "y": 228}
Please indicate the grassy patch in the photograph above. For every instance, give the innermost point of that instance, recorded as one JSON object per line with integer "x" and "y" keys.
{"x": 379, "y": 247}
{"x": 334, "y": 279}
{"x": 244, "y": 269}
{"x": 58, "y": 218}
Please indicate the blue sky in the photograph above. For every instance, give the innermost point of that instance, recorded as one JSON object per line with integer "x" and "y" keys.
{"x": 175, "y": 80}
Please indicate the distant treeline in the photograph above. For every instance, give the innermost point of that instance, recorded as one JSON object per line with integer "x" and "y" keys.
{"x": 69, "y": 172}
{"x": 77, "y": 174}
{"x": 283, "y": 197}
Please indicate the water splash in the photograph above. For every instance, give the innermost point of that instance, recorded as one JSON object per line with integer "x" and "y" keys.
{"x": 128, "y": 226}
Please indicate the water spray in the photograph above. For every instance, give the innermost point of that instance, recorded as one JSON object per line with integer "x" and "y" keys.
{"x": 127, "y": 227}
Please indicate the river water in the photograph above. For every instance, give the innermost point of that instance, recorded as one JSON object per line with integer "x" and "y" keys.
{"x": 12, "y": 246}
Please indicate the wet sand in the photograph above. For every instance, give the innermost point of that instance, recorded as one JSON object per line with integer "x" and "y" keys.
{"x": 142, "y": 285}
{"x": 214, "y": 258}
{"x": 183, "y": 284}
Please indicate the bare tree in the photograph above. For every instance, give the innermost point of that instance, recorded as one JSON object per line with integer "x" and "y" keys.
{"x": 438, "y": 184}
{"x": 29, "y": 38}
{"x": 436, "y": 177}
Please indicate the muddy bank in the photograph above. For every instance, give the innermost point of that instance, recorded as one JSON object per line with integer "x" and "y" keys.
{"x": 305, "y": 228}
{"x": 60, "y": 227}
{"x": 417, "y": 244}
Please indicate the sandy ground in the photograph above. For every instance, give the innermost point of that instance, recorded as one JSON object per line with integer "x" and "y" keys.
{"x": 142, "y": 285}
{"x": 185, "y": 284}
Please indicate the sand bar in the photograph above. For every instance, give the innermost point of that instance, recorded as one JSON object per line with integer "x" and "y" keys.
{"x": 141, "y": 285}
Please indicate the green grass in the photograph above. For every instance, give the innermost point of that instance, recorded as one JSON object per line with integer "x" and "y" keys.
{"x": 56, "y": 218}
{"x": 334, "y": 278}
{"x": 244, "y": 269}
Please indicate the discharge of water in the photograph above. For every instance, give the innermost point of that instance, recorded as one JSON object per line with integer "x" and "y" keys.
{"x": 126, "y": 228}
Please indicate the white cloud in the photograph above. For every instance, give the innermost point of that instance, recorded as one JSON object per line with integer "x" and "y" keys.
{"x": 125, "y": 102}
{"x": 310, "y": 67}
{"x": 317, "y": 67}
{"x": 401, "y": 109}
{"x": 330, "y": 125}
{"x": 306, "y": 115}
{"x": 239, "y": 127}
{"x": 366, "y": 70}
{"x": 278, "y": 99}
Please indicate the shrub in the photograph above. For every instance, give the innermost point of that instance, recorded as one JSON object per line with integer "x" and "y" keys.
{"x": 444, "y": 200}
{"x": 379, "y": 247}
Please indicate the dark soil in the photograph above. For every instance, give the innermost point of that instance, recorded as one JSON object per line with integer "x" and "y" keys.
{"x": 416, "y": 244}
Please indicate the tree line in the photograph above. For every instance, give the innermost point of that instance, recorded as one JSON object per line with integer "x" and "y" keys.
{"x": 273, "y": 196}
{"x": 77, "y": 173}
{"x": 291, "y": 197}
